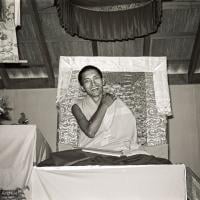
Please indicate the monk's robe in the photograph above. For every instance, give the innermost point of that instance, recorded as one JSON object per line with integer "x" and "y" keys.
{"x": 117, "y": 131}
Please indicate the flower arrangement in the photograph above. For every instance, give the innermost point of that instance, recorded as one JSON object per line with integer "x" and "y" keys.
{"x": 4, "y": 109}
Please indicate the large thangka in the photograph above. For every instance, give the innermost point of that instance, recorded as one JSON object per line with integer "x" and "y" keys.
{"x": 135, "y": 89}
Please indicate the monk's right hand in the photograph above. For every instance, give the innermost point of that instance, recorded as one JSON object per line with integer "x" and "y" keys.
{"x": 107, "y": 99}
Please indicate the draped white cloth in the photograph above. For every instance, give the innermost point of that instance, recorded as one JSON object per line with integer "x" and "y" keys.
{"x": 117, "y": 131}
{"x": 17, "y": 144}
{"x": 152, "y": 182}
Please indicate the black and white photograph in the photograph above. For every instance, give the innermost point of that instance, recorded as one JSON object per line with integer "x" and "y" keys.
{"x": 99, "y": 99}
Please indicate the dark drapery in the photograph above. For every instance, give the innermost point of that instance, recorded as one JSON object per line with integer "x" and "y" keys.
{"x": 1, "y": 10}
{"x": 108, "y": 20}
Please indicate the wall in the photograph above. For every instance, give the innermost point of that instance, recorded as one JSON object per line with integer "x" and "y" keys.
{"x": 184, "y": 129}
{"x": 39, "y": 107}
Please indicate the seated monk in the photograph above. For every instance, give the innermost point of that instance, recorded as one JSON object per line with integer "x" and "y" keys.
{"x": 105, "y": 121}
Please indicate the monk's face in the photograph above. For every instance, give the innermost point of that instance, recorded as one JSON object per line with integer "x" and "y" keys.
{"x": 92, "y": 83}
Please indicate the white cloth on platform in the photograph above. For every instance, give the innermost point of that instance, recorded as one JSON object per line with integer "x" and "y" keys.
{"x": 152, "y": 182}
{"x": 17, "y": 144}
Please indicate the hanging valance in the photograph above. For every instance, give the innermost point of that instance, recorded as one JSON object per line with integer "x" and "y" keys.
{"x": 108, "y": 20}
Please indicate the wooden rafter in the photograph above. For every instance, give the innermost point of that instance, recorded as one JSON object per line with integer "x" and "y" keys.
{"x": 94, "y": 48}
{"x": 177, "y": 79}
{"x": 147, "y": 46}
{"x": 173, "y": 35}
{"x": 41, "y": 40}
{"x": 29, "y": 83}
{"x": 195, "y": 57}
{"x": 180, "y": 4}
{"x": 4, "y": 76}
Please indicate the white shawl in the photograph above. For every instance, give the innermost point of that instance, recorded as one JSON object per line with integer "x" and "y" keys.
{"x": 118, "y": 129}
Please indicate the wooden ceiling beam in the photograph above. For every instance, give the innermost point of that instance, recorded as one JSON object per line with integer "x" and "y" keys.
{"x": 195, "y": 79}
{"x": 4, "y": 76}
{"x": 177, "y": 79}
{"x": 1, "y": 84}
{"x": 180, "y": 4}
{"x": 174, "y": 35}
{"x": 147, "y": 46}
{"x": 23, "y": 66}
{"x": 182, "y": 79}
{"x": 94, "y": 48}
{"x": 29, "y": 83}
{"x": 178, "y": 61}
{"x": 41, "y": 41}
{"x": 195, "y": 57}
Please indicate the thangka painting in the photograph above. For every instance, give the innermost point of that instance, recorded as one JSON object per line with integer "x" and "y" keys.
{"x": 8, "y": 38}
{"x": 140, "y": 82}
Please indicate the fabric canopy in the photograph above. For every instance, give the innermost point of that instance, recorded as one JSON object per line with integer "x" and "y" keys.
{"x": 108, "y": 20}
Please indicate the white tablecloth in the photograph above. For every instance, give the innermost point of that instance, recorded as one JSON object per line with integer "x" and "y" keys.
{"x": 20, "y": 147}
{"x": 152, "y": 182}
{"x": 16, "y": 155}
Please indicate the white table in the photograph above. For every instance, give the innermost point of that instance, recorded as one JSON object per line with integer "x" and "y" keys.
{"x": 20, "y": 147}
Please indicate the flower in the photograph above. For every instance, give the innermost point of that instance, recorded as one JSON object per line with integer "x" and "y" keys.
{"x": 4, "y": 109}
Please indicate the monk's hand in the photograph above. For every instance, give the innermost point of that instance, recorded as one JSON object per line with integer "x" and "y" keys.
{"x": 108, "y": 99}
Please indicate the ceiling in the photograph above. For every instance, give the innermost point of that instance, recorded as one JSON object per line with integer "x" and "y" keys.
{"x": 41, "y": 41}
